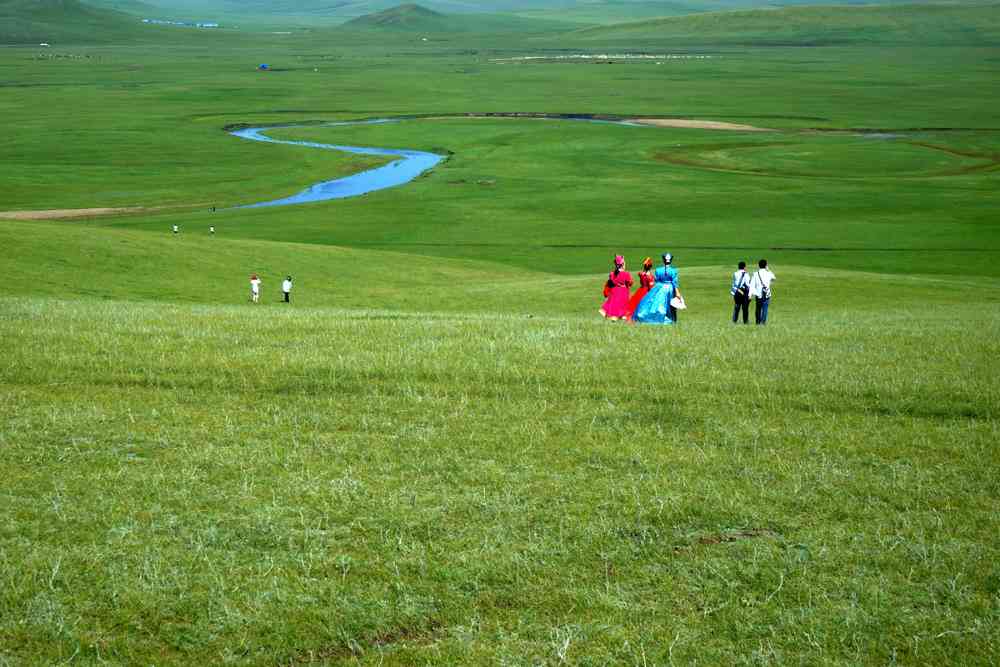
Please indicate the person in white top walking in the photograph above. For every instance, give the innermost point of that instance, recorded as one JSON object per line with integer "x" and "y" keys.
{"x": 286, "y": 287}
{"x": 760, "y": 290}
{"x": 254, "y": 288}
{"x": 740, "y": 290}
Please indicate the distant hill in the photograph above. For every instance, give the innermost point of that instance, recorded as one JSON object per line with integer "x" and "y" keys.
{"x": 415, "y": 18}
{"x": 62, "y": 21}
{"x": 407, "y": 17}
{"x": 926, "y": 24}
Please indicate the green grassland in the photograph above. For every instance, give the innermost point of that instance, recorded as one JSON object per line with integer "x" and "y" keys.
{"x": 35, "y": 21}
{"x": 438, "y": 453}
{"x": 927, "y": 24}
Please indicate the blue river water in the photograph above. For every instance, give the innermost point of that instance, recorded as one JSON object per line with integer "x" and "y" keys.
{"x": 403, "y": 170}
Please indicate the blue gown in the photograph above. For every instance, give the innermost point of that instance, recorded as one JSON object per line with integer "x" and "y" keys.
{"x": 655, "y": 306}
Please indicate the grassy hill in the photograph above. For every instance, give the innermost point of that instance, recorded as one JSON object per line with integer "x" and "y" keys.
{"x": 438, "y": 453}
{"x": 405, "y": 17}
{"x": 931, "y": 24}
{"x": 417, "y": 18}
{"x": 402, "y": 467}
{"x": 63, "y": 21}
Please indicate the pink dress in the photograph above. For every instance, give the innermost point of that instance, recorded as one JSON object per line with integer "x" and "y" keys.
{"x": 617, "y": 303}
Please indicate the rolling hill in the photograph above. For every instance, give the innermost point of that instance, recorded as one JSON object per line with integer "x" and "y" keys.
{"x": 925, "y": 24}
{"x": 407, "y": 16}
{"x": 54, "y": 21}
{"x": 411, "y": 17}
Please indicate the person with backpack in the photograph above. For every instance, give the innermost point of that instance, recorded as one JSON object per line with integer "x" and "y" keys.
{"x": 760, "y": 290}
{"x": 741, "y": 293}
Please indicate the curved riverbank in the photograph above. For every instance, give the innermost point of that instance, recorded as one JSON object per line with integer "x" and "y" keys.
{"x": 408, "y": 166}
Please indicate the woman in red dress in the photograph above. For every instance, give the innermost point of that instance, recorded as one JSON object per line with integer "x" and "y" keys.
{"x": 619, "y": 282}
{"x": 646, "y": 281}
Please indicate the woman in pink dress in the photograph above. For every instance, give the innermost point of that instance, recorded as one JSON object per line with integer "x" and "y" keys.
{"x": 645, "y": 282}
{"x": 619, "y": 281}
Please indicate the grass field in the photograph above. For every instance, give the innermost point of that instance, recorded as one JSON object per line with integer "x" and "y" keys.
{"x": 438, "y": 453}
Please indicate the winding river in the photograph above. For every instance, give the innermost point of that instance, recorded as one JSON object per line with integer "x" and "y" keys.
{"x": 411, "y": 164}
{"x": 403, "y": 170}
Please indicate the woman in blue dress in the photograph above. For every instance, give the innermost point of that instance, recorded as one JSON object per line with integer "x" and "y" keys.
{"x": 655, "y": 307}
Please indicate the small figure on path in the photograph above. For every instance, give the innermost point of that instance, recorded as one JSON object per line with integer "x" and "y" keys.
{"x": 618, "y": 284}
{"x": 740, "y": 290}
{"x": 655, "y": 307}
{"x": 254, "y": 288}
{"x": 211, "y": 230}
{"x": 286, "y": 287}
{"x": 646, "y": 281}
{"x": 760, "y": 290}
{"x": 175, "y": 229}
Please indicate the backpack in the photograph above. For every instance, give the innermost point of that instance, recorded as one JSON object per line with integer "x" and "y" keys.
{"x": 742, "y": 294}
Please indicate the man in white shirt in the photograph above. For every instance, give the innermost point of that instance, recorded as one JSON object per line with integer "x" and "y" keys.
{"x": 286, "y": 287}
{"x": 760, "y": 290}
{"x": 740, "y": 290}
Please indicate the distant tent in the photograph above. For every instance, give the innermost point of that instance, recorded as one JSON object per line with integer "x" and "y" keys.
{"x": 263, "y": 66}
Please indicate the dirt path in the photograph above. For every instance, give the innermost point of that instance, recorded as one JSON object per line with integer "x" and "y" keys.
{"x": 699, "y": 124}
{"x": 57, "y": 213}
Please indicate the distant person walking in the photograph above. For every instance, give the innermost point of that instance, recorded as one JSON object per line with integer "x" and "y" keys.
{"x": 646, "y": 282}
{"x": 254, "y": 288}
{"x": 760, "y": 290}
{"x": 618, "y": 288}
{"x": 286, "y": 287}
{"x": 211, "y": 230}
{"x": 670, "y": 272}
{"x": 175, "y": 229}
{"x": 741, "y": 293}
{"x": 655, "y": 307}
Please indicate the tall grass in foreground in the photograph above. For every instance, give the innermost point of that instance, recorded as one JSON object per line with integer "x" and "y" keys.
{"x": 194, "y": 484}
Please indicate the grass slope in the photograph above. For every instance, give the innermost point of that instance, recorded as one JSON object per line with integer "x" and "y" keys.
{"x": 62, "y": 21}
{"x": 437, "y": 454}
{"x": 930, "y": 24}
{"x": 415, "y": 18}
{"x": 187, "y": 484}
{"x": 406, "y": 16}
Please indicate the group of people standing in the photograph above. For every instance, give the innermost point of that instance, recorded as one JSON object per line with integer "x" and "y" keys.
{"x": 255, "y": 282}
{"x": 659, "y": 296}
{"x": 655, "y": 302}
{"x": 757, "y": 286}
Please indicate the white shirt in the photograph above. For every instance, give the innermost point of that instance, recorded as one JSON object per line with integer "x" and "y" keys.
{"x": 760, "y": 284}
{"x": 286, "y": 286}
{"x": 739, "y": 278}
{"x": 255, "y": 285}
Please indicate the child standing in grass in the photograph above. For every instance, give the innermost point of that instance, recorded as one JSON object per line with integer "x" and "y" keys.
{"x": 254, "y": 288}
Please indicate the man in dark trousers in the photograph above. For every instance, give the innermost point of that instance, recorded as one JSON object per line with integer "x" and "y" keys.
{"x": 741, "y": 293}
{"x": 286, "y": 287}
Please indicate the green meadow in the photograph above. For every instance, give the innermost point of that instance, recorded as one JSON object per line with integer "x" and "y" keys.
{"x": 438, "y": 453}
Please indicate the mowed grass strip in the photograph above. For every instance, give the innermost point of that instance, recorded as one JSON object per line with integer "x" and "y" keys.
{"x": 189, "y": 484}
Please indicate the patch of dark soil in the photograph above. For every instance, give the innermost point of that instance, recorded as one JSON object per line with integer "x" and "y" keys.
{"x": 407, "y": 634}
{"x": 736, "y": 536}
